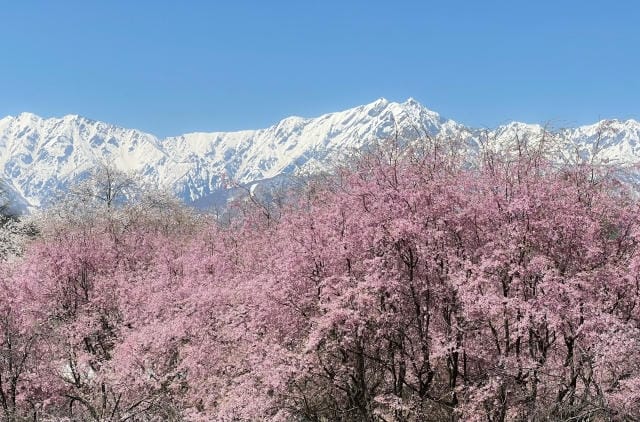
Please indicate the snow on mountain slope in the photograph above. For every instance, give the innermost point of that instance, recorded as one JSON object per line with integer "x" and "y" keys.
{"x": 294, "y": 144}
{"x": 613, "y": 140}
{"x": 40, "y": 156}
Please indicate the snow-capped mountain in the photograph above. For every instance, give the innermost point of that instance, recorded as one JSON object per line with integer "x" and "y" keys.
{"x": 40, "y": 156}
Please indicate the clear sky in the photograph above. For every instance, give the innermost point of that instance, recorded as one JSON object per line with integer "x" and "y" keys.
{"x": 170, "y": 67}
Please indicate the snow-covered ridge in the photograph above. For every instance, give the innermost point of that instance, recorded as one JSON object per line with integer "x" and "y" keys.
{"x": 39, "y": 156}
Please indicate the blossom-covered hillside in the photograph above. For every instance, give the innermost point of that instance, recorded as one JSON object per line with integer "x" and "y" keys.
{"x": 408, "y": 287}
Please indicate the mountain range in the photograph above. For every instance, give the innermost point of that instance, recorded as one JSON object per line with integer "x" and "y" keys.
{"x": 41, "y": 156}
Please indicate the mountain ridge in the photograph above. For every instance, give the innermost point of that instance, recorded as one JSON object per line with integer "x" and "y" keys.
{"x": 39, "y": 156}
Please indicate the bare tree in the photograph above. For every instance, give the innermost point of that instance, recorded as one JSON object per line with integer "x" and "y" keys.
{"x": 106, "y": 185}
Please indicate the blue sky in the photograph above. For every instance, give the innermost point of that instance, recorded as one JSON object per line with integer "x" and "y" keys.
{"x": 169, "y": 67}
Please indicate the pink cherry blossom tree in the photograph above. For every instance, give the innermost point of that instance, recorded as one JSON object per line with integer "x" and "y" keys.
{"x": 409, "y": 286}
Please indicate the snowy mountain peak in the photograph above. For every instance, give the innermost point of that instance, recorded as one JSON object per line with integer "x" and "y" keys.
{"x": 518, "y": 128}
{"x": 39, "y": 156}
{"x": 412, "y": 102}
{"x": 292, "y": 121}
{"x": 77, "y": 118}
{"x": 26, "y": 116}
{"x": 380, "y": 102}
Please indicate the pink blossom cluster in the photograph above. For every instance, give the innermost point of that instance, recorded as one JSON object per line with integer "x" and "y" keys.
{"x": 407, "y": 287}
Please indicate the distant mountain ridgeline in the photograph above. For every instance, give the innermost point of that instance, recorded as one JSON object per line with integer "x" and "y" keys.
{"x": 39, "y": 157}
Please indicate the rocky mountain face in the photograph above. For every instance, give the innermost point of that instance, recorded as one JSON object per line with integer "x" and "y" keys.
{"x": 41, "y": 156}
